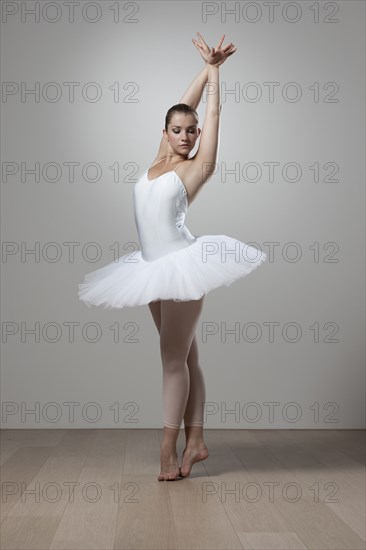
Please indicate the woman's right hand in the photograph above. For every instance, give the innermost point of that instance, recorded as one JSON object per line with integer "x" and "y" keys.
{"x": 214, "y": 56}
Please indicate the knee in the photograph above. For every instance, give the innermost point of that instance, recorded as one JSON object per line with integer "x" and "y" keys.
{"x": 173, "y": 362}
{"x": 193, "y": 365}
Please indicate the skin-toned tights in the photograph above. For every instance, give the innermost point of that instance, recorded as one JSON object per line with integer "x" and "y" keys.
{"x": 183, "y": 383}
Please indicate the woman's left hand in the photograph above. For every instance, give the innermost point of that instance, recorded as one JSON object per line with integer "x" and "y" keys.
{"x": 214, "y": 56}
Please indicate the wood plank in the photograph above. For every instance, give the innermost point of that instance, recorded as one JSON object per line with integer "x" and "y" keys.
{"x": 316, "y": 525}
{"x": 90, "y": 520}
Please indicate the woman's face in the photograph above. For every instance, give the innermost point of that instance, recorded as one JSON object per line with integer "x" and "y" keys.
{"x": 182, "y": 133}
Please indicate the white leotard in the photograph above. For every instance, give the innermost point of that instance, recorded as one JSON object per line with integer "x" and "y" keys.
{"x": 160, "y": 207}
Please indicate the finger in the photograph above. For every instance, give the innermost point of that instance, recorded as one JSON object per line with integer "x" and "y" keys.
{"x": 227, "y": 47}
{"x": 220, "y": 43}
{"x": 201, "y": 38}
{"x": 197, "y": 44}
{"x": 201, "y": 41}
{"x": 203, "y": 45}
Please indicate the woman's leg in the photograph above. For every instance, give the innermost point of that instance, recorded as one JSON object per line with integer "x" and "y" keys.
{"x": 178, "y": 325}
{"x": 193, "y": 414}
{"x": 170, "y": 435}
{"x": 195, "y": 449}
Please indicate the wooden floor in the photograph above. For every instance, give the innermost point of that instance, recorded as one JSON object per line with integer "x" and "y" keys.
{"x": 263, "y": 489}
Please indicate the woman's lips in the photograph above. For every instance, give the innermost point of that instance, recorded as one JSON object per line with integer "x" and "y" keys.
{"x": 184, "y": 145}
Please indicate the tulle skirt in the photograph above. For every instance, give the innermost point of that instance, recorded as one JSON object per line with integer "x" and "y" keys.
{"x": 186, "y": 274}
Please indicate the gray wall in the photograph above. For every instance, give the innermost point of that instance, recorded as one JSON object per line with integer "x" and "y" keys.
{"x": 299, "y": 318}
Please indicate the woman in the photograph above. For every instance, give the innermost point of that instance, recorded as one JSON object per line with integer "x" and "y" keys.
{"x": 174, "y": 269}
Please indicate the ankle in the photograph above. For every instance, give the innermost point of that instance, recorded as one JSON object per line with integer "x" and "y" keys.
{"x": 194, "y": 435}
{"x": 169, "y": 446}
{"x": 195, "y": 442}
{"x": 170, "y": 437}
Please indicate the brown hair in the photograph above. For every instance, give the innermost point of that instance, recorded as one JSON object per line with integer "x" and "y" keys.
{"x": 179, "y": 108}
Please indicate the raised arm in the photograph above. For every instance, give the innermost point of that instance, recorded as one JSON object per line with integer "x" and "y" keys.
{"x": 204, "y": 162}
{"x": 205, "y": 159}
{"x": 192, "y": 95}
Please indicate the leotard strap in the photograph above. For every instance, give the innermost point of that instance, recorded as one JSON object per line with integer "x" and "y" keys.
{"x": 177, "y": 166}
{"x": 158, "y": 162}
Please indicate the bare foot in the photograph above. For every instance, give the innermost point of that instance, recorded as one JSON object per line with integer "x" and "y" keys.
{"x": 192, "y": 453}
{"x": 169, "y": 469}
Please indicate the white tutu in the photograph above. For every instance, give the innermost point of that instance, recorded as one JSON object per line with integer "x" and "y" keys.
{"x": 172, "y": 264}
{"x": 185, "y": 274}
